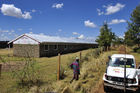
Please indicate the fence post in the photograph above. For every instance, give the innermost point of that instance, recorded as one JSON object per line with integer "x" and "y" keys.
{"x": 80, "y": 56}
{"x": 58, "y": 68}
{"x": 0, "y": 69}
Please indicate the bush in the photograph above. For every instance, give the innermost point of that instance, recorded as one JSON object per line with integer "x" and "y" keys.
{"x": 62, "y": 73}
{"x": 85, "y": 58}
{"x": 96, "y": 52}
{"x": 138, "y": 51}
{"x": 28, "y": 74}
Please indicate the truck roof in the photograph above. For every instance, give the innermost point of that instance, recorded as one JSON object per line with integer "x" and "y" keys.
{"x": 123, "y": 55}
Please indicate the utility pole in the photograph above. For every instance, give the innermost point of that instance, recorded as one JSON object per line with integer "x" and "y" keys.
{"x": 58, "y": 68}
{"x": 124, "y": 76}
{"x": 125, "y": 70}
{"x": 0, "y": 69}
{"x": 80, "y": 56}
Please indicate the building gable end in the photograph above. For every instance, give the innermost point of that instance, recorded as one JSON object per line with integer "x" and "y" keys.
{"x": 25, "y": 40}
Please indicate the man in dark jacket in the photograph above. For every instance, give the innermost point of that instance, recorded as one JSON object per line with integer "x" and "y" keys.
{"x": 76, "y": 70}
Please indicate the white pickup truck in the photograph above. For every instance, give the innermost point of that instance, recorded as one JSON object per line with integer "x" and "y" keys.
{"x": 114, "y": 75}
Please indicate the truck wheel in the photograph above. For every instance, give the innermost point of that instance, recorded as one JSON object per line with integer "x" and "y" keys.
{"x": 106, "y": 89}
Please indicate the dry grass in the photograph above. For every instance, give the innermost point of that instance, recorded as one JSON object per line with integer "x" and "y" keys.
{"x": 47, "y": 69}
{"x": 6, "y": 51}
{"x": 90, "y": 79}
{"x": 123, "y": 49}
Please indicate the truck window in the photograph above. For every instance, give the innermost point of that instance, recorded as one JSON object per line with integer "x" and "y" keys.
{"x": 117, "y": 62}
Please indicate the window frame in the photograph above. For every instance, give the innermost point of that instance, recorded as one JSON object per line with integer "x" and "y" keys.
{"x": 45, "y": 47}
{"x": 56, "y": 48}
{"x": 65, "y": 47}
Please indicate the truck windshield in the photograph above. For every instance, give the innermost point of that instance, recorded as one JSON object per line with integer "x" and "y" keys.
{"x": 117, "y": 62}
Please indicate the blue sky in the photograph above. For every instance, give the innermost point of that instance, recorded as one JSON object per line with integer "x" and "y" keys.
{"x": 64, "y": 18}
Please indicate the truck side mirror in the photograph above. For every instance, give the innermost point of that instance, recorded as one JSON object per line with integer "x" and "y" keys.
{"x": 107, "y": 63}
{"x": 139, "y": 67}
{"x": 109, "y": 57}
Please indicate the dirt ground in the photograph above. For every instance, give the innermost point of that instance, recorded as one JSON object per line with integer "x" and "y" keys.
{"x": 101, "y": 90}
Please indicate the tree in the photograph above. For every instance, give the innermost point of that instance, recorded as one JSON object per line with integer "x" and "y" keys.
{"x": 118, "y": 40}
{"x": 132, "y": 36}
{"x": 106, "y": 36}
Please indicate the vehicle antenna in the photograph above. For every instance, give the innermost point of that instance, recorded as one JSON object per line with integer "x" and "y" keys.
{"x": 125, "y": 69}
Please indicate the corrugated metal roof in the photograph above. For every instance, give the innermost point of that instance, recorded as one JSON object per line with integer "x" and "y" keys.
{"x": 44, "y": 38}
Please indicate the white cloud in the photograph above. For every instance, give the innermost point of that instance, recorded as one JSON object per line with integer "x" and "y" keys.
{"x": 26, "y": 15}
{"x": 11, "y": 10}
{"x": 75, "y": 33}
{"x": 110, "y": 9}
{"x": 30, "y": 32}
{"x": 6, "y": 35}
{"x": 4, "y": 31}
{"x": 59, "y": 30}
{"x": 117, "y": 21}
{"x": 89, "y": 24}
{"x": 15, "y": 35}
{"x": 12, "y": 31}
{"x": 30, "y": 29}
{"x": 113, "y": 9}
{"x": 33, "y": 10}
{"x": 19, "y": 29}
{"x": 57, "y": 6}
{"x": 81, "y": 37}
{"x": 100, "y": 12}
{"x": 42, "y": 34}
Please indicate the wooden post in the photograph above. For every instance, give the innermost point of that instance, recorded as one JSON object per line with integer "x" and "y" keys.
{"x": 101, "y": 50}
{"x": 0, "y": 69}
{"x": 9, "y": 50}
{"x": 58, "y": 68}
{"x": 107, "y": 48}
{"x": 80, "y": 56}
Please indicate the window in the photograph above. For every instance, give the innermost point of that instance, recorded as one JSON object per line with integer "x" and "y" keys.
{"x": 55, "y": 47}
{"x": 46, "y": 47}
{"x": 65, "y": 47}
{"x": 118, "y": 62}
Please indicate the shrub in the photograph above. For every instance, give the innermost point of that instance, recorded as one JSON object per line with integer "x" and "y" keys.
{"x": 62, "y": 73}
{"x": 28, "y": 74}
{"x": 138, "y": 51}
{"x": 85, "y": 58}
{"x": 96, "y": 52}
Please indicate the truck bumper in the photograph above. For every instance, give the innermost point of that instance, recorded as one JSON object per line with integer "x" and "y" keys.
{"x": 131, "y": 88}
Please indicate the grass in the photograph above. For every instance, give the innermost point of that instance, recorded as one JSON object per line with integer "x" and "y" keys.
{"x": 47, "y": 69}
{"x": 92, "y": 70}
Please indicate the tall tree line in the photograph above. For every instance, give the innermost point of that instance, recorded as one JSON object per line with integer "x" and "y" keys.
{"x": 106, "y": 37}
{"x": 132, "y": 35}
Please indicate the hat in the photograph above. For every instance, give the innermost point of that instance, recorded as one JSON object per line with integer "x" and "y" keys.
{"x": 77, "y": 58}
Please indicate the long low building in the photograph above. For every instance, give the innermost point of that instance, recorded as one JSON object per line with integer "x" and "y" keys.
{"x": 35, "y": 45}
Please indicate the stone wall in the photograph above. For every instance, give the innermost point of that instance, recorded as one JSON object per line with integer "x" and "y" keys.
{"x": 27, "y": 50}
{"x": 39, "y": 50}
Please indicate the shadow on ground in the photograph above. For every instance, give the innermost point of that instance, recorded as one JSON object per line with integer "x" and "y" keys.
{"x": 121, "y": 91}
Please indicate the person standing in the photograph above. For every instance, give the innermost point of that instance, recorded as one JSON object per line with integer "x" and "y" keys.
{"x": 76, "y": 69}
